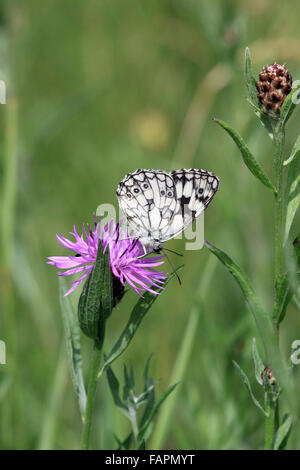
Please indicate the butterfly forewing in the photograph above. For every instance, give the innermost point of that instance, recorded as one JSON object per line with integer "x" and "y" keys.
{"x": 146, "y": 197}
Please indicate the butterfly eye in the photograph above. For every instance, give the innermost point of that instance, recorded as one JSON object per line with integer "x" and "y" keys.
{"x": 146, "y": 186}
{"x": 136, "y": 190}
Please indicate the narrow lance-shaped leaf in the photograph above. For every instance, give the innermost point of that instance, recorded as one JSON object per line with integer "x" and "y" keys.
{"x": 283, "y": 433}
{"x": 283, "y": 297}
{"x": 139, "y": 311}
{"x": 248, "y": 386}
{"x": 294, "y": 153}
{"x": 114, "y": 388}
{"x": 72, "y": 335}
{"x": 250, "y": 83}
{"x": 289, "y": 105}
{"x": 249, "y": 77}
{"x": 153, "y": 412}
{"x": 292, "y": 195}
{"x": 247, "y": 156}
{"x": 258, "y": 364}
{"x": 262, "y": 320}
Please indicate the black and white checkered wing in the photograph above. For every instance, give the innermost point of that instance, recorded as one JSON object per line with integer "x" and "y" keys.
{"x": 194, "y": 190}
{"x": 148, "y": 200}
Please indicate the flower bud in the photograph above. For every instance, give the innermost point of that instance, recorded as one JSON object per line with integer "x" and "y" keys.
{"x": 267, "y": 373}
{"x": 273, "y": 86}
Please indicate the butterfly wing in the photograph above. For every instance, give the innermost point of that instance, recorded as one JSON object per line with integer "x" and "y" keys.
{"x": 148, "y": 200}
{"x": 194, "y": 189}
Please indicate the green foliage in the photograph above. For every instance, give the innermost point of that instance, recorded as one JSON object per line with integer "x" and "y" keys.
{"x": 283, "y": 433}
{"x": 248, "y": 158}
{"x": 289, "y": 105}
{"x": 292, "y": 193}
{"x": 116, "y": 86}
{"x": 248, "y": 386}
{"x": 258, "y": 363}
{"x": 265, "y": 120}
{"x": 130, "y": 403}
{"x": 72, "y": 336}
{"x": 139, "y": 311}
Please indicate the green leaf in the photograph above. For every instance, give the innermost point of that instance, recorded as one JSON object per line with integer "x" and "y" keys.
{"x": 249, "y": 77}
{"x": 96, "y": 303}
{"x": 262, "y": 320}
{"x": 258, "y": 363}
{"x": 125, "y": 445}
{"x": 289, "y": 105}
{"x": 139, "y": 311}
{"x": 283, "y": 432}
{"x": 150, "y": 403}
{"x": 152, "y": 413}
{"x": 296, "y": 246}
{"x": 252, "y": 92}
{"x": 72, "y": 335}
{"x": 247, "y": 156}
{"x": 114, "y": 388}
{"x": 248, "y": 386}
{"x": 283, "y": 298}
{"x": 292, "y": 194}
{"x": 294, "y": 153}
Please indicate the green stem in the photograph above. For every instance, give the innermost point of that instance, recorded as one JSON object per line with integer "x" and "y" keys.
{"x": 93, "y": 380}
{"x": 271, "y": 404}
{"x": 271, "y": 421}
{"x": 279, "y": 138}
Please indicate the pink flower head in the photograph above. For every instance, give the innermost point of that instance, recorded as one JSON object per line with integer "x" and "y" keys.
{"x": 125, "y": 258}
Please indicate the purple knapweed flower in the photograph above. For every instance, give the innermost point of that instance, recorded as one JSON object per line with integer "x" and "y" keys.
{"x": 126, "y": 262}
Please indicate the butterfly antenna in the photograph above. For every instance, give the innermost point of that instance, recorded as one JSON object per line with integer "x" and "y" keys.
{"x": 172, "y": 266}
{"x": 172, "y": 251}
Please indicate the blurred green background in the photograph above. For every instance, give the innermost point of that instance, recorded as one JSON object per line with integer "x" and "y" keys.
{"x": 96, "y": 89}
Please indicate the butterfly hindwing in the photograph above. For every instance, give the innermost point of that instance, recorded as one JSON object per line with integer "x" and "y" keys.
{"x": 194, "y": 191}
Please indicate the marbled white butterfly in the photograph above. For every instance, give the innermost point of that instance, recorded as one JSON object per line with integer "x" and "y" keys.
{"x": 159, "y": 205}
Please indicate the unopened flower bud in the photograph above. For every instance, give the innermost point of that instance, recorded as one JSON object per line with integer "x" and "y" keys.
{"x": 273, "y": 86}
{"x": 267, "y": 373}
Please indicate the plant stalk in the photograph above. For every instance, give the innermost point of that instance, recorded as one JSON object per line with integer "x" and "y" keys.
{"x": 93, "y": 380}
{"x": 271, "y": 421}
{"x": 279, "y": 139}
